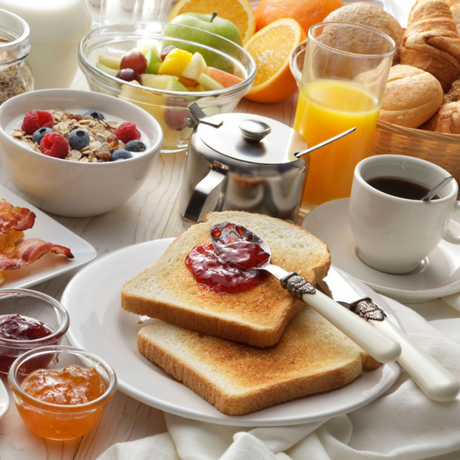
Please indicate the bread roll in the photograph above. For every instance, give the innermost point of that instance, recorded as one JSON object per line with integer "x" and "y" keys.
{"x": 431, "y": 41}
{"x": 371, "y": 16}
{"x": 411, "y": 97}
{"x": 447, "y": 120}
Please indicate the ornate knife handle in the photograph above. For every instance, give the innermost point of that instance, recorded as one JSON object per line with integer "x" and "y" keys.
{"x": 367, "y": 309}
{"x": 296, "y": 285}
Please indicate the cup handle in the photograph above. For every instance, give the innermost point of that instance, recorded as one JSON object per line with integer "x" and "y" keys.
{"x": 448, "y": 234}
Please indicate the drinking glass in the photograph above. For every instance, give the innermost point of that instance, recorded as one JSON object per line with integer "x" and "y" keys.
{"x": 343, "y": 81}
{"x": 105, "y": 12}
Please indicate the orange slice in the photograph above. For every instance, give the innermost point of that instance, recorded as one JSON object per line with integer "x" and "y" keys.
{"x": 239, "y": 12}
{"x": 271, "y": 47}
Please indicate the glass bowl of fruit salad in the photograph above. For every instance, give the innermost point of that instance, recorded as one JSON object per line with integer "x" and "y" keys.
{"x": 165, "y": 67}
{"x": 77, "y": 153}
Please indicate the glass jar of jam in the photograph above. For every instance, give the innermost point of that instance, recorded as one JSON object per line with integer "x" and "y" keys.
{"x": 79, "y": 385}
{"x": 28, "y": 319}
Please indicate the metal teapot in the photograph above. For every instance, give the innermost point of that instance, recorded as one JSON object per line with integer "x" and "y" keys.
{"x": 243, "y": 162}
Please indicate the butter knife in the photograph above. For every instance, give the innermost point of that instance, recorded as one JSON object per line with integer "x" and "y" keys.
{"x": 432, "y": 378}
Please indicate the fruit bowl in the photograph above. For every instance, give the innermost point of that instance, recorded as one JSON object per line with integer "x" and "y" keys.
{"x": 74, "y": 188}
{"x": 167, "y": 106}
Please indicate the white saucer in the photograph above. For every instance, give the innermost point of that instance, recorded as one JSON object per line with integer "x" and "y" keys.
{"x": 438, "y": 274}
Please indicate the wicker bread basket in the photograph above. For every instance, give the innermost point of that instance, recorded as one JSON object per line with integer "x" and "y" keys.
{"x": 440, "y": 149}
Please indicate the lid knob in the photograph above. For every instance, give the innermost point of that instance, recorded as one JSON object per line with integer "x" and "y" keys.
{"x": 254, "y": 130}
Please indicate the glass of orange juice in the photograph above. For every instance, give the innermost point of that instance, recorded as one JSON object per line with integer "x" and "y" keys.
{"x": 343, "y": 81}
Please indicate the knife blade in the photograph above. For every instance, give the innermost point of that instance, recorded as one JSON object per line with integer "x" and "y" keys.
{"x": 431, "y": 377}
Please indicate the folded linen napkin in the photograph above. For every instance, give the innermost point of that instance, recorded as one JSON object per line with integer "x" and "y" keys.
{"x": 402, "y": 424}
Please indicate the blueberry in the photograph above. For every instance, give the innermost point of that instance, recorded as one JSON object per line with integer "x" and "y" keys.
{"x": 38, "y": 135}
{"x": 121, "y": 155}
{"x": 78, "y": 139}
{"x": 95, "y": 114}
{"x": 135, "y": 146}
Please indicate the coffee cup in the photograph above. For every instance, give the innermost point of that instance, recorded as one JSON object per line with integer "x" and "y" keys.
{"x": 394, "y": 233}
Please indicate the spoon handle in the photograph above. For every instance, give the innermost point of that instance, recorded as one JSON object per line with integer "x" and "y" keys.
{"x": 372, "y": 340}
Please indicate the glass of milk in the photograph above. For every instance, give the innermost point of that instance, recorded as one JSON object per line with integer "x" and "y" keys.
{"x": 56, "y": 27}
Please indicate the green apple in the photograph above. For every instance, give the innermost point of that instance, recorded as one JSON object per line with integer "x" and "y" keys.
{"x": 153, "y": 62}
{"x": 175, "y": 85}
{"x": 208, "y": 23}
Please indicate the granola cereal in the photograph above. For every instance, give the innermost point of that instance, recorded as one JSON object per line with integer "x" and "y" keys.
{"x": 102, "y": 140}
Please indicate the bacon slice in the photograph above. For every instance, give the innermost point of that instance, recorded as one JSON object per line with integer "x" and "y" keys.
{"x": 29, "y": 251}
{"x": 14, "y": 217}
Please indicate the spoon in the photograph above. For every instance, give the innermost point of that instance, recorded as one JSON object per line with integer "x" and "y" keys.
{"x": 432, "y": 193}
{"x": 4, "y": 399}
{"x": 241, "y": 248}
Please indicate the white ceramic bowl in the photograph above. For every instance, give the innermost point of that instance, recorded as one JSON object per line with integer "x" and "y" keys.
{"x": 69, "y": 188}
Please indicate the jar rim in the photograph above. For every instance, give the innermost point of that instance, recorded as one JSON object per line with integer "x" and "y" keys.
{"x": 20, "y": 47}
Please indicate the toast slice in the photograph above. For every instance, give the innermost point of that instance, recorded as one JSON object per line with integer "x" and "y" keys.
{"x": 258, "y": 317}
{"x": 312, "y": 356}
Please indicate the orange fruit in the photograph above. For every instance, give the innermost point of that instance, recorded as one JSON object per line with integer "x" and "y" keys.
{"x": 239, "y": 12}
{"x": 305, "y": 12}
{"x": 271, "y": 47}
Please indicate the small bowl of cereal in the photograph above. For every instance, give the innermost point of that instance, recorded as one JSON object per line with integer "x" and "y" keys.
{"x": 77, "y": 153}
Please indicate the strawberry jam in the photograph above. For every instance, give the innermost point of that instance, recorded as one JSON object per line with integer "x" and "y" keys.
{"x": 215, "y": 274}
{"x": 17, "y": 327}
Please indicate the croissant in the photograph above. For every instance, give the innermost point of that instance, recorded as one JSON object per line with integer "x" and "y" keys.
{"x": 431, "y": 41}
{"x": 447, "y": 120}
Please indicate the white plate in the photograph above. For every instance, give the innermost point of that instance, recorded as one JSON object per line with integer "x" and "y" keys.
{"x": 438, "y": 274}
{"x": 98, "y": 323}
{"x": 50, "y": 265}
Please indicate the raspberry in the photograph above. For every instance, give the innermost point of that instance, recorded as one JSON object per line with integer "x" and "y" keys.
{"x": 37, "y": 119}
{"x": 127, "y": 132}
{"x": 54, "y": 145}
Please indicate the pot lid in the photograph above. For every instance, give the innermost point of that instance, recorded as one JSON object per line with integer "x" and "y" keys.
{"x": 251, "y": 138}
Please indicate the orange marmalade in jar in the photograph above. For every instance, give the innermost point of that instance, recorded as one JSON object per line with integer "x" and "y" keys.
{"x": 61, "y": 403}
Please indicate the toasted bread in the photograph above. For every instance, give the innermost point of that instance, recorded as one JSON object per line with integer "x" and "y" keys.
{"x": 311, "y": 357}
{"x": 168, "y": 291}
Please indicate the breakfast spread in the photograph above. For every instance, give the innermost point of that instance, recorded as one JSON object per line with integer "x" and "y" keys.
{"x": 13, "y": 221}
{"x": 87, "y": 137}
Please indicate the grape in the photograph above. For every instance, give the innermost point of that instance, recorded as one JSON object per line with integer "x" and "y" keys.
{"x": 166, "y": 51}
{"x": 129, "y": 75}
{"x": 134, "y": 60}
{"x": 175, "y": 118}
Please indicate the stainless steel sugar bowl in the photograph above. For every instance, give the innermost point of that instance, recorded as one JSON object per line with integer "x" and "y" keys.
{"x": 244, "y": 162}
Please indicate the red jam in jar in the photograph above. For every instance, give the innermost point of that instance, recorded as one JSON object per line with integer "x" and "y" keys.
{"x": 18, "y": 327}
{"x": 215, "y": 274}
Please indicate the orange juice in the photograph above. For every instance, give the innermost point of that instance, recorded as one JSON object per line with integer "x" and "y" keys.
{"x": 326, "y": 108}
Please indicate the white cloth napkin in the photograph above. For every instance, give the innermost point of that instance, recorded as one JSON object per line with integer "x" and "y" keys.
{"x": 402, "y": 424}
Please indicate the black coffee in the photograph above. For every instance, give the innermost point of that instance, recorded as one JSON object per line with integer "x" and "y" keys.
{"x": 401, "y": 188}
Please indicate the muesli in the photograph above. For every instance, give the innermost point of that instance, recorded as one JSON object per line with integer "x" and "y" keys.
{"x": 88, "y": 137}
